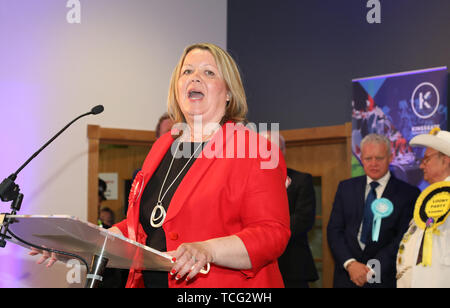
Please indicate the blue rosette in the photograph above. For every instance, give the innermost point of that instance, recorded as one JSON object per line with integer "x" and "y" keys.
{"x": 381, "y": 208}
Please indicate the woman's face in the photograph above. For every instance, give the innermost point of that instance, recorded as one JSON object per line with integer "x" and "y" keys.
{"x": 202, "y": 91}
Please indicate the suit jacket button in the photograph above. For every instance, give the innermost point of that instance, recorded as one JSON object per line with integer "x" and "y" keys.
{"x": 173, "y": 236}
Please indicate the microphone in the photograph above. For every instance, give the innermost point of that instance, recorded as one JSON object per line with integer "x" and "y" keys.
{"x": 97, "y": 109}
{"x": 9, "y": 191}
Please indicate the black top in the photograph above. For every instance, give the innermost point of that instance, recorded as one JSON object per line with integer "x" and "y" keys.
{"x": 156, "y": 237}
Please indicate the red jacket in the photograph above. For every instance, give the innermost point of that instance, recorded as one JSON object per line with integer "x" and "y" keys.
{"x": 222, "y": 196}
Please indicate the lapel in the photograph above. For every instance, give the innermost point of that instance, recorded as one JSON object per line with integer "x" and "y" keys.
{"x": 389, "y": 191}
{"x": 214, "y": 149}
{"x": 157, "y": 152}
{"x": 360, "y": 194}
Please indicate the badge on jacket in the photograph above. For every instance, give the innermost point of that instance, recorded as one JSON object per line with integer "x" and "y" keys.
{"x": 431, "y": 211}
{"x": 381, "y": 208}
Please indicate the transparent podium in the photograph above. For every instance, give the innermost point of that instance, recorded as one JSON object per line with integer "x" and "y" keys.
{"x": 88, "y": 241}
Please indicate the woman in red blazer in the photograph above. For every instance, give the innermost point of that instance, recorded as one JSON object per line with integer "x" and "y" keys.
{"x": 230, "y": 209}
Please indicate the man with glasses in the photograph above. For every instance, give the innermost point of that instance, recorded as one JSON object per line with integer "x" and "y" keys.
{"x": 351, "y": 221}
{"x": 410, "y": 272}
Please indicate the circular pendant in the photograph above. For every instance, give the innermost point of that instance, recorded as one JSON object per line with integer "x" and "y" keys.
{"x": 161, "y": 212}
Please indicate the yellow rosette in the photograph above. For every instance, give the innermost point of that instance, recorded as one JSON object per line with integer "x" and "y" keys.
{"x": 431, "y": 210}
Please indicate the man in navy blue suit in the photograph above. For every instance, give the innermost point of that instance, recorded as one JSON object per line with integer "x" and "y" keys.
{"x": 350, "y": 226}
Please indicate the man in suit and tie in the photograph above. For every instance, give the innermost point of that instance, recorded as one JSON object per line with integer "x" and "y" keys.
{"x": 351, "y": 221}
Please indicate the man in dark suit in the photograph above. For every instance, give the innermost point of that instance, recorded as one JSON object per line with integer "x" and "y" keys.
{"x": 350, "y": 225}
{"x": 296, "y": 264}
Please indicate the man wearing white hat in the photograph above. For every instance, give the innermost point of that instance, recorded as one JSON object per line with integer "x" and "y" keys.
{"x": 410, "y": 272}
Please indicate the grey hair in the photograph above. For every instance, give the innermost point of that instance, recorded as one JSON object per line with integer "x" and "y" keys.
{"x": 376, "y": 138}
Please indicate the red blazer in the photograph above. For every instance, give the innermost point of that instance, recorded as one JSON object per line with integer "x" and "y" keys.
{"x": 220, "y": 197}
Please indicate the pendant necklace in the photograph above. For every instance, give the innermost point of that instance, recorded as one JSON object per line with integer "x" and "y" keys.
{"x": 159, "y": 213}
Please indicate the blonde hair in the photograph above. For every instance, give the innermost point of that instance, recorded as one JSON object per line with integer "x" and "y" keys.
{"x": 236, "y": 109}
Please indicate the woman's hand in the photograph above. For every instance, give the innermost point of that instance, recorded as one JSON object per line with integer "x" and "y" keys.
{"x": 190, "y": 258}
{"x": 227, "y": 251}
{"x": 52, "y": 257}
{"x": 115, "y": 230}
{"x": 45, "y": 256}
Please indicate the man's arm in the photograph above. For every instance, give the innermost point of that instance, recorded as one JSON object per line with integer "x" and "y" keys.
{"x": 336, "y": 230}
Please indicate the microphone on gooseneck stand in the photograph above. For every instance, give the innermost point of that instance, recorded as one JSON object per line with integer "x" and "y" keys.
{"x": 10, "y": 191}
{"x": 96, "y": 110}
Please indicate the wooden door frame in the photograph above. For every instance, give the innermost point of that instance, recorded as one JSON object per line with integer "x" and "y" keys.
{"x": 340, "y": 134}
{"x": 100, "y": 135}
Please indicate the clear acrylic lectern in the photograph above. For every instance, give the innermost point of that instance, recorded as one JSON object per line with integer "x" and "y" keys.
{"x": 91, "y": 242}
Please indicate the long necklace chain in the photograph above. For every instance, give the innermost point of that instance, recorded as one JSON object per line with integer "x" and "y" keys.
{"x": 159, "y": 207}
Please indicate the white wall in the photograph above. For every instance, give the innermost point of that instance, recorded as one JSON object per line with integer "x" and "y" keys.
{"x": 121, "y": 55}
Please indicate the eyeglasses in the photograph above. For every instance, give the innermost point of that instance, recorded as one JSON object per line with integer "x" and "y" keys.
{"x": 426, "y": 159}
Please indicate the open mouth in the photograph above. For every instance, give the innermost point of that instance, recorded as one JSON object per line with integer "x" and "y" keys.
{"x": 195, "y": 95}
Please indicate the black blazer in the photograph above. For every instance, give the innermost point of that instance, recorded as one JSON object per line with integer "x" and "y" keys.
{"x": 297, "y": 264}
{"x": 345, "y": 221}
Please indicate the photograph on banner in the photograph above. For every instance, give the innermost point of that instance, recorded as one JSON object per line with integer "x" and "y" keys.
{"x": 399, "y": 106}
